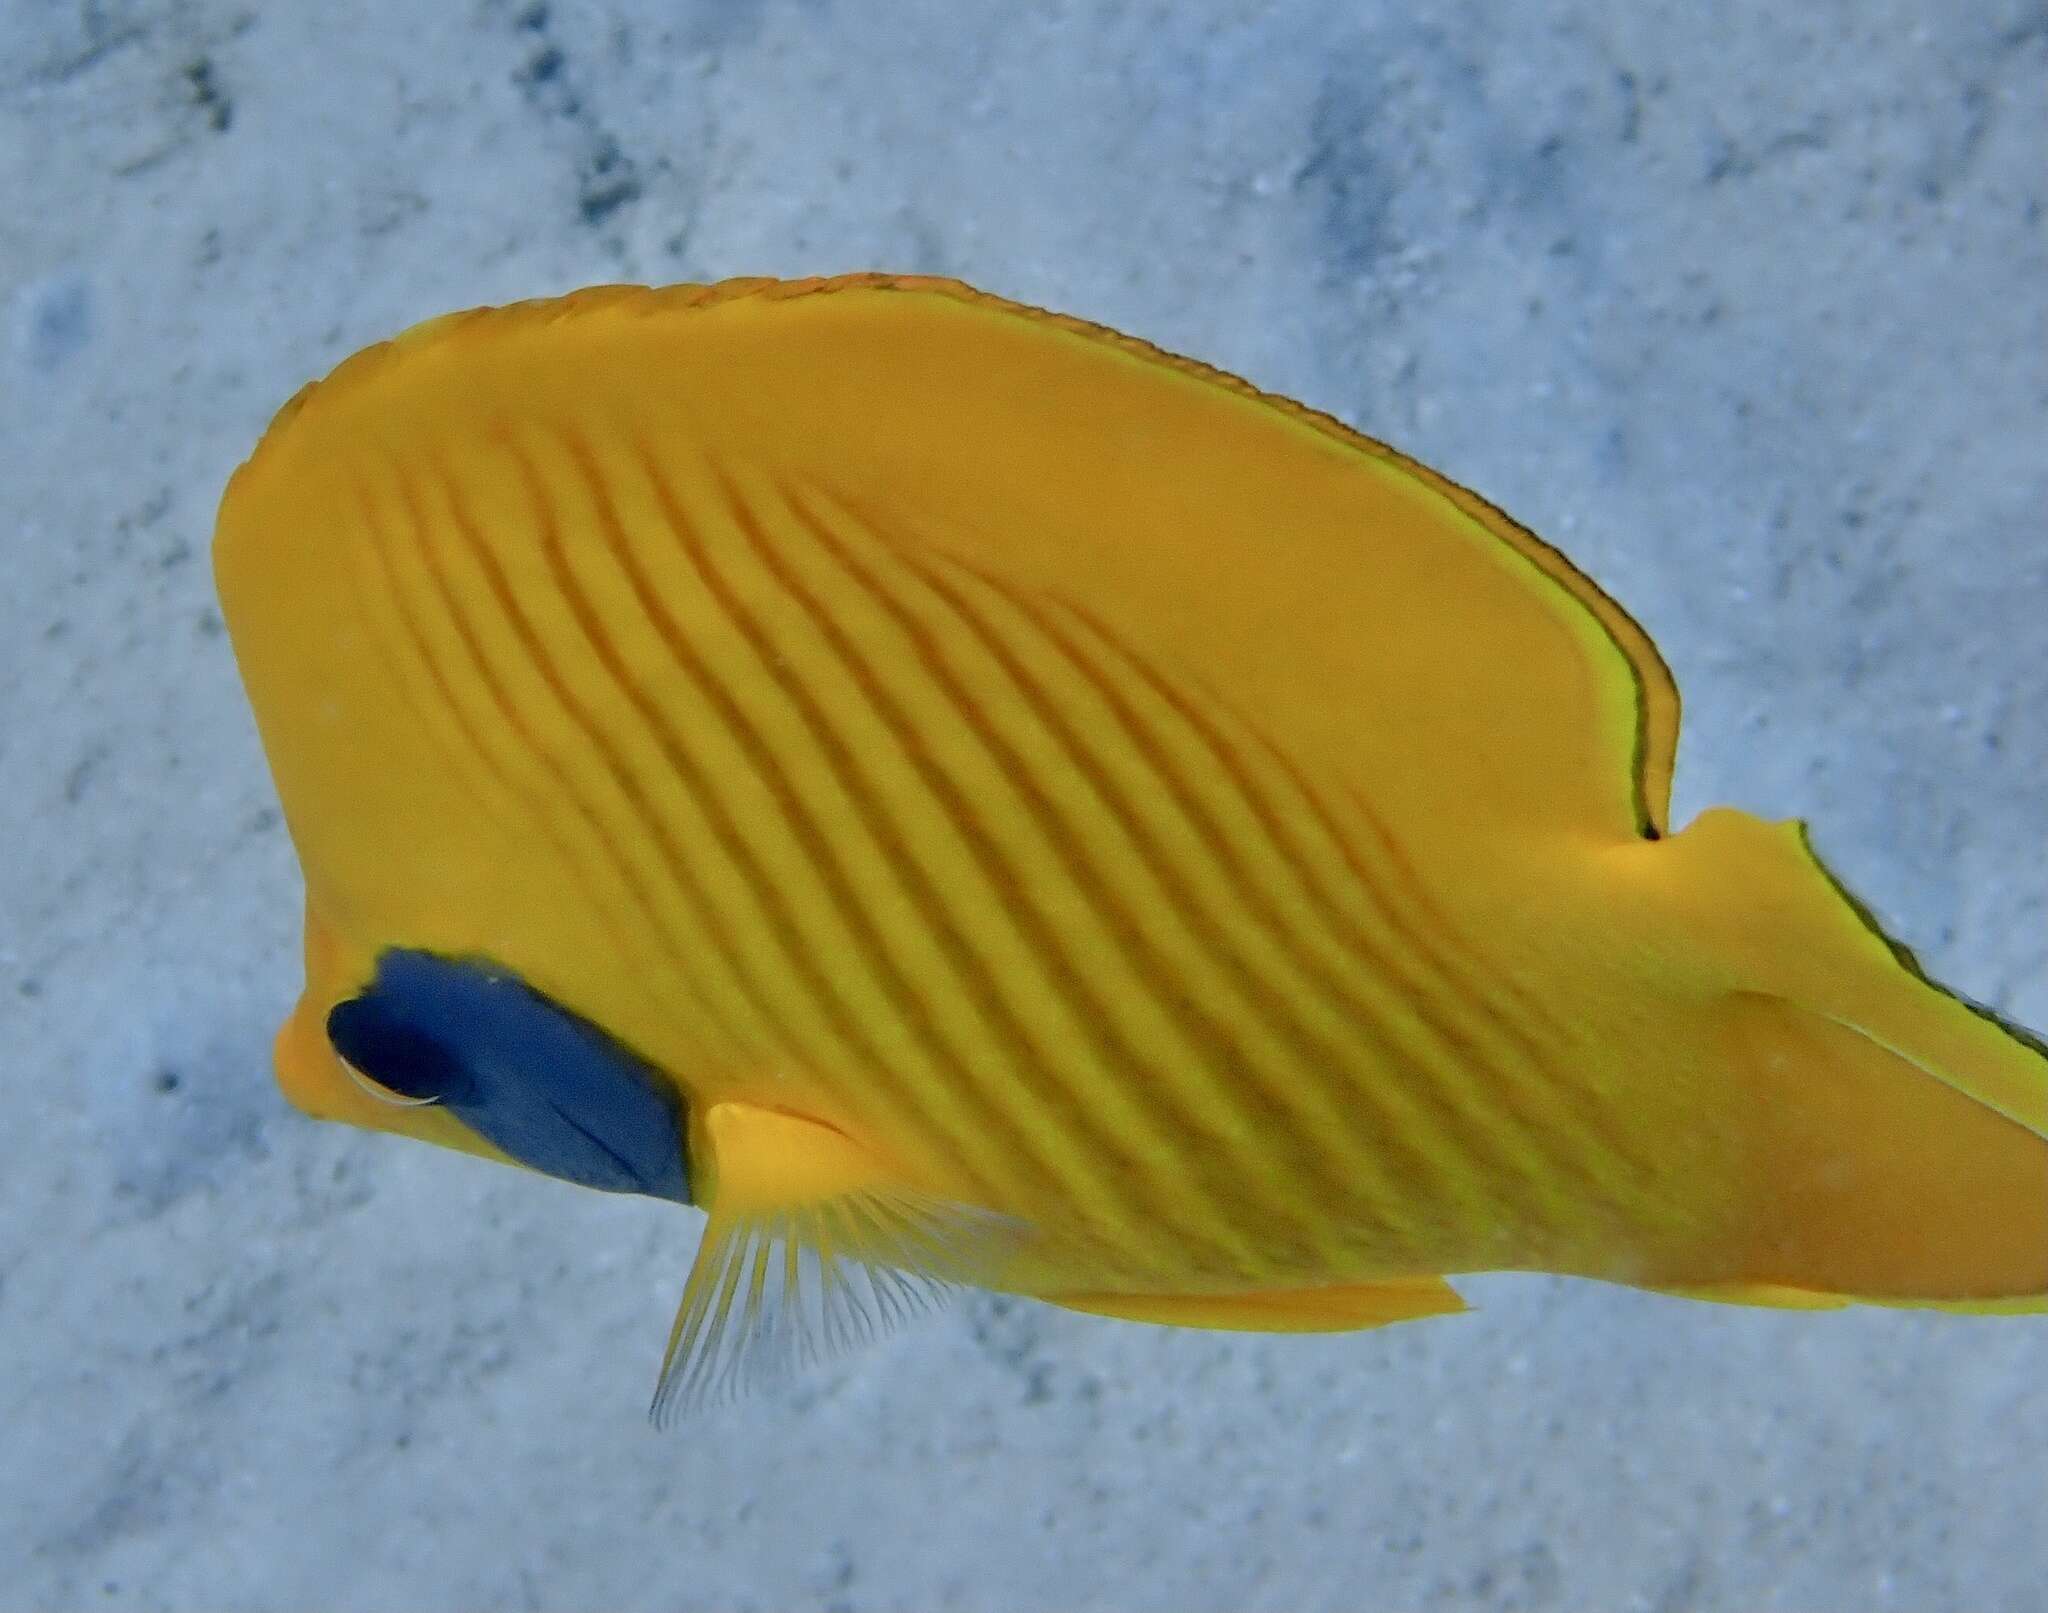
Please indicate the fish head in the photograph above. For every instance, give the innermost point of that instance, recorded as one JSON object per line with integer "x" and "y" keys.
{"x": 493, "y": 1005}
{"x": 312, "y": 1071}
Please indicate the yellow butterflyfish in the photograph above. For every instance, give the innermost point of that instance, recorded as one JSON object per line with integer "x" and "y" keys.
{"x": 966, "y": 797}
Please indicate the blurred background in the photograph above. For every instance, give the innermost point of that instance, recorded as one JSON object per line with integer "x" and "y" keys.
{"x": 1746, "y": 307}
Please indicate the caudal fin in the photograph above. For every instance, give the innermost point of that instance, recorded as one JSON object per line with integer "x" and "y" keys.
{"x": 1898, "y": 1134}
{"x": 1885, "y": 1180}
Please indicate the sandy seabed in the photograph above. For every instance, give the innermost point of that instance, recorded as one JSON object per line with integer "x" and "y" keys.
{"x": 1746, "y": 307}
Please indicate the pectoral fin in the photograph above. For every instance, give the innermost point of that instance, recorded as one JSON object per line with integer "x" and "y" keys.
{"x": 1291, "y": 1310}
{"x": 813, "y": 1248}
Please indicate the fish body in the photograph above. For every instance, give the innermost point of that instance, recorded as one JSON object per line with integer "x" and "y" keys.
{"x": 1029, "y": 810}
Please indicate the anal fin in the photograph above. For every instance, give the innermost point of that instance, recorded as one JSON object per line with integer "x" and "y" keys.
{"x": 812, "y": 1249}
{"x": 1779, "y": 1296}
{"x": 1340, "y": 1309}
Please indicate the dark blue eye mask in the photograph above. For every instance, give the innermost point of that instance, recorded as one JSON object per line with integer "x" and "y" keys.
{"x": 542, "y": 1084}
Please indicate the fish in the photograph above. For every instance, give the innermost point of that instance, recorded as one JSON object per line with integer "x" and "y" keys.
{"x": 967, "y": 798}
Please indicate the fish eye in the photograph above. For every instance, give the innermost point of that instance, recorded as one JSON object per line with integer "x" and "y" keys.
{"x": 536, "y": 1081}
{"x": 391, "y": 1060}
{"x": 377, "y": 1092}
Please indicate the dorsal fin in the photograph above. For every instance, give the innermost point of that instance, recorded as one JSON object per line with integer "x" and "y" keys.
{"x": 1393, "y": 629}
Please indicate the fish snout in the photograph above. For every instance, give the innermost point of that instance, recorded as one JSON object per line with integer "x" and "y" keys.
{"x": 309, "y": 1070}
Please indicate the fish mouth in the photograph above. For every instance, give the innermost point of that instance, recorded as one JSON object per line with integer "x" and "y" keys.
{"x": 310, "y": 1073}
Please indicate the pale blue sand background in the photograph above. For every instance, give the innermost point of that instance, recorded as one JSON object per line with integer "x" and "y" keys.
{"x": 1744, "y": 306}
